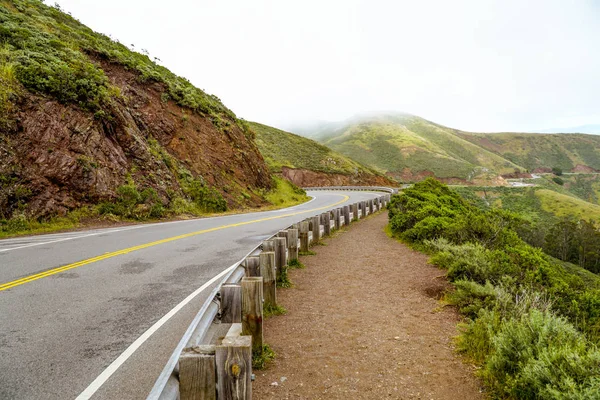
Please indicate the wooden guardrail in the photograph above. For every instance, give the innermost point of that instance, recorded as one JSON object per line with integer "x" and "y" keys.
{"x": 213, "y": 360}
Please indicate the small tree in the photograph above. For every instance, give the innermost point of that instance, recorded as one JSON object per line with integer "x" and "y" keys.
{"x": 557, "y": 171}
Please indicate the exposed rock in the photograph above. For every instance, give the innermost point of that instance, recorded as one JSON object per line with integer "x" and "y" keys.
{"x": 62, "y": 157}
{"x": 307, "y": 178}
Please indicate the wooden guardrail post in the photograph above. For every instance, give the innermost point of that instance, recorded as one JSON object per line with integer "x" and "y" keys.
{"x": 233, "y": 359}
{"x": 280, "y": 253}
{"x": 197, "y": 373}
{"x": 346, "y": 215}
{"x": 326, "y": 220}
{"x": 355, "y": 211}
{"x": 292, "y": 244}
{"x": 363, "y": 206}
{"x": 268, "y": 273}
{"x": 371, "y": 206}
{"x": 336, "y": 218}
{"x": 303, "y": 236}
{"x": 316, "y": 229}
{"x": 231, "y": 303}
{"x": 252, "y": 266}
{"x": 252, "y": 311}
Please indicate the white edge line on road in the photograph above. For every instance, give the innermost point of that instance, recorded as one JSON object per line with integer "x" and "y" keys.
{"x": 68, "y": 238}
{"x": 63, "y": 239}
{"x": 112, "y": 368}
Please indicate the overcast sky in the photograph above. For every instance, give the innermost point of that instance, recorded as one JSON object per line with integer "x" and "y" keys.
{"x": 474, "y": 65}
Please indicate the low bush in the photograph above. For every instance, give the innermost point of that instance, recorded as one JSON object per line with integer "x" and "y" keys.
{"x": 533, "y": 322}
{"x": 133, "y": 204}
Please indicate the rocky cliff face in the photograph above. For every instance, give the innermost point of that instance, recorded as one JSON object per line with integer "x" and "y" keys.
{"x": 308, "y": 178}
{"x": 55, "y": 156}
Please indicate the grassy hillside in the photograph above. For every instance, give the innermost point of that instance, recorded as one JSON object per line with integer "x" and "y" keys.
{"x": 410, "y": 147}
{"x": 534, "y": 150}
{"x": 405, "y": 145}
{"x": 566, "y": 206}
{"x": 284, "y": 150}
{"x": 280, "y": 148}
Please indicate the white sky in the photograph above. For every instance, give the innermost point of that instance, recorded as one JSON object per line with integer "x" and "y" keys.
{"x": 474, "y": 65}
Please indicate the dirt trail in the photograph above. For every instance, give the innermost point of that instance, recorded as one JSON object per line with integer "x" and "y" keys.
{"x": 364, "y": 322}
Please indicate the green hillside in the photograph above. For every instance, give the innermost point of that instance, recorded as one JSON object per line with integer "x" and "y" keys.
{"x": 408, "y": 145}
{"x": 535, "y": 150}
{"x": 284, "y": 149}
{"x": 409, "y": 148}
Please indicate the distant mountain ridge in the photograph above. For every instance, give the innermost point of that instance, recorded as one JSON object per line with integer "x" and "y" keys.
{"x": 592, "y": 129}
{"x": 408, "y": 148}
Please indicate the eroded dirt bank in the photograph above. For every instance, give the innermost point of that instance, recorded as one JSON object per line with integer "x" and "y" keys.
{"x": 364, "y": 322}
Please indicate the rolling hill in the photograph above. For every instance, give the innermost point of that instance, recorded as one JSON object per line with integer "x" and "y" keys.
{"x": 409, "y": 148}
{"x": 307, "y": 163}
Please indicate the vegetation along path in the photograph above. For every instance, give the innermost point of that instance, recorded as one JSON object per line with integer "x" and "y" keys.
{"x": 364, "y": 322}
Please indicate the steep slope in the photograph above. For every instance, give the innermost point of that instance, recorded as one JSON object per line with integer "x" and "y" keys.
{"x": 408, "y": 147}
{"x": 533, "y": 151}
{"x": 307, "y": 163}
{"x": 84, "y": 120}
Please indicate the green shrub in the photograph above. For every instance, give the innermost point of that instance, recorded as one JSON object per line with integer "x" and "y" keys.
{"x": 207, "y": 198}
{"x": 540, "y": 355}
{"x": 133, "y": 204}
{"x": 533, "y": 322}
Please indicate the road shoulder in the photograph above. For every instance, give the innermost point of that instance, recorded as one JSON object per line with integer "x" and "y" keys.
{"x": 364, "y": 322}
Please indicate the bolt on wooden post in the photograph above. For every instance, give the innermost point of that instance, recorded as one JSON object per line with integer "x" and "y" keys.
{"x": 268, "y": 273}
{"x": 197, "y": 373}
{"x": 304, "y": 236}
{"x": 233, "y": 359}
{"x": 252, "y": 311}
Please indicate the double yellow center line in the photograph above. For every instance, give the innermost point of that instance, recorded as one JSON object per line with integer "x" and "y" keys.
{"x": 57, "y": 270}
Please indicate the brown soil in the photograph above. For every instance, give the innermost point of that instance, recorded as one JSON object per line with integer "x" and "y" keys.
{"x": 364, "y": 322}
{"x": 583, "y": 169}
{"x": 308, "y": 178}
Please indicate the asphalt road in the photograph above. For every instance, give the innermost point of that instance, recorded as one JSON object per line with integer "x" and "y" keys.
{"x": 72, "y": 303}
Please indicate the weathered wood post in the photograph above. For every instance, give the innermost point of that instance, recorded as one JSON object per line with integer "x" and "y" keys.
{"x": 231, "y": 303}
{"x": 292, "y": 244}
{"x": 234, "y": 368}
{"x": 268, "y": 273}
{"x": 371, "y": 206}
{"x": 336, "y": 218}
{"x": 280, "y": 254}
{"x": 326, "y": 220}
{"x": 316, "y": 229}
{"x": 355, "y": 211}
{"x": 252, "y": 266}
{"x": 252, "y": 311}
{"x": 363, "y": 206}
{"x": 197, "y": 373}
{"x": 303, "y": 236}
{"x": 346, "y": 215}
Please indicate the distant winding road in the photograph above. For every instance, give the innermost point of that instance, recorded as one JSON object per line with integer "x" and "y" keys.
{"x": 98, "y": 313}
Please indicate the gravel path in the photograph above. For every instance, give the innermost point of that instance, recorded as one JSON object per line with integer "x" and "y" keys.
{"x": 364, "y": 322}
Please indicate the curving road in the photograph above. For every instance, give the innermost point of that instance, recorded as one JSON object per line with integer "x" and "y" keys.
{"x": 73, "y": 303}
